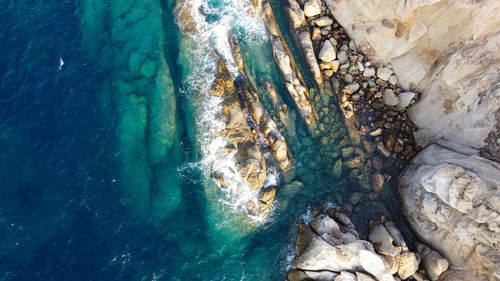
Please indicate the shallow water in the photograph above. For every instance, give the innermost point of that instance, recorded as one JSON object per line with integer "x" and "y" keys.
{"x": 105, "y": 175}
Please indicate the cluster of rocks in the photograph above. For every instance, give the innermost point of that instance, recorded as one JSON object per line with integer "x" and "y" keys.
{"x": 329, "y": 248}
{"x": 250, "y": 143}
{"x": 368, "y": 92}
{"x": 433, "y": 48}
{"x": 452, "y": 201}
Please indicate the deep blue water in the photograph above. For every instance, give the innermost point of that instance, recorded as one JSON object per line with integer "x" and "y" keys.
{"x": 63, "y": 214}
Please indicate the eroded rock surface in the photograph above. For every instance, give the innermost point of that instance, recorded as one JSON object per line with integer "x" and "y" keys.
{"x": 452, "y": 201}
{"x": 329, "y": 248}
{"x": 241, "y": 144}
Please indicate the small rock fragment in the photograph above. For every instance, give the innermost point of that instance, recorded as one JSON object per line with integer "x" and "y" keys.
{"x": 405, "y": 98}
{"x": 327, "y": 52}
{"x": 312, "y": 8}
{"x": 390, "y": 98}
{"x": 323, "y": 21}
{"x": 384, "y": 73}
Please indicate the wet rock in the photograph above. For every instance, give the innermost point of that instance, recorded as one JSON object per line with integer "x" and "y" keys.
{"x": 347, "y": 151}
{"x": 405, "y": 98}
{"x": 375, "y": 133}
{"x": 295, "y": 13}
{"x": 390, "y": 98}
{"x": 312, "y": 8}
{"x": 389, "y": 141}
{"x": 383, "y": 150}
{"x": 294, "y": 82}
{"x": 377, "y": 182}
{"x": 266, "y": 199}
{"x": 327, "y": 52}
{"x": 355, "y": 162}
{"x": 337, "y": 168}
{"x": 384, "y": 73}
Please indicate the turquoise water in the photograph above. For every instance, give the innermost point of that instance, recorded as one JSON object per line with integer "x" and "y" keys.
{"x": 105, "y": 157}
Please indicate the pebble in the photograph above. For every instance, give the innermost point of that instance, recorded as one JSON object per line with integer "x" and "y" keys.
{"x": 327, "y": 52}
{"x": 348, "y": 78}
{"x": 393, "y": 80}
{"x": 383, "y": 150}
{"x": 381, "y": 82}
{"x": 377, "y": 132}
{"x": 369, "y": 71}
{"x": 361, "y": 67}
{"x": 333, "y": 41}
{"x": 390, "y": 97}
{"x": 334, "y": 65}
{"x": 323, "y": 21}
{"x": 351, "y": 88}
{"x": 312, "y": 8}
{"x": 355, "y": 97}
{"x": 342, "y": 56}
{"x": 405, "y": 98}
{"x": 384, "y": 73}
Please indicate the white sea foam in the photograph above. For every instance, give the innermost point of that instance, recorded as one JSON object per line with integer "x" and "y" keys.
{"x": 236, "y": 17}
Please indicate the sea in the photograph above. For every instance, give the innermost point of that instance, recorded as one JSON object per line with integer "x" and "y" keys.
{"x": 108, "y": 140}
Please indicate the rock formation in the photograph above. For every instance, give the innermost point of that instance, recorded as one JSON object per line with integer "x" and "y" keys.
{"x": 294, "y": 82}
{"x": 329, "y": 248}
{"x": 448, "y": 50}
{"x": 452, "y": 201}
{"x": 241, "y": 144}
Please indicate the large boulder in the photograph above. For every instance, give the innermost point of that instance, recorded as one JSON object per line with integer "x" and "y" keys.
{"x": 452, "y": 201}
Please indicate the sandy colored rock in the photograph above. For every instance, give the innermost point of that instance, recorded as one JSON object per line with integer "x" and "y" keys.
{"x": 323, "y": 21}
{"x": 433, "y": 263}
{"x": 312, "y": 8}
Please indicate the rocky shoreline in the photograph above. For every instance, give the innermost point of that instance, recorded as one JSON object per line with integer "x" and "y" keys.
{"x": 449, "y": 194}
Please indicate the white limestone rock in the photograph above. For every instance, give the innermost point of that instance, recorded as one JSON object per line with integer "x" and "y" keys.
{"x": 452, "y": 201}
{"x": 433, "y": 263}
